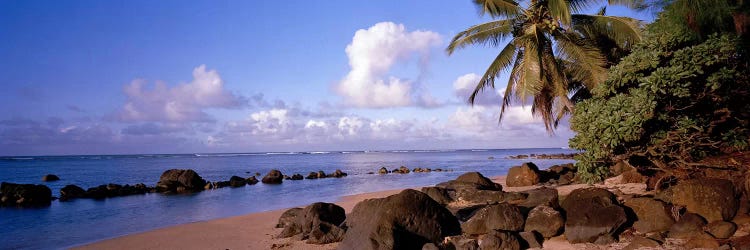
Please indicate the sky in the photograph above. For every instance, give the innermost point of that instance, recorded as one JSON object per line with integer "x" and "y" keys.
{"x": 128, "y": 77}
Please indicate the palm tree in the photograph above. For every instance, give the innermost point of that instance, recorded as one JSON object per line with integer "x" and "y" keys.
{"x": 552, "y": 51}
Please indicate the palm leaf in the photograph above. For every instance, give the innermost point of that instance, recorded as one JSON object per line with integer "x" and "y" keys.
{"x": 585, "y": 63}
{"x": 559, "y": 10}
{"x": 624, "y": 31}
{"x": 489, "y": 33}
{"x": 498, "y": 8}
{"x": 502, "y": 61}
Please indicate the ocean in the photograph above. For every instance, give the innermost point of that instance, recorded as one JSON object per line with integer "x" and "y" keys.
{"x": 81, "y": 221}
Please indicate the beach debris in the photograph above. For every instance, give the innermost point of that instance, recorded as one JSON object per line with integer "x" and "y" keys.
{"x": 525, "y": 175}
{"x": 273, "y": 177}
{"x": 50, "y": 177}
{"x": 318, "y": 223}
{"x": 25, "y": 195}
{"x": 180, "y": 181}
{"x": 408, "y": 220}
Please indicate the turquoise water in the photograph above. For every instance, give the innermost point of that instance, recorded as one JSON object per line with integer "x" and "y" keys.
{"x": 66, "y": 224}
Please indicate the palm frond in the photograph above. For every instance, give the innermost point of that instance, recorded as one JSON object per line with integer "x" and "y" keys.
{"x": 584, "y": 63}
{"x": 624, "y": 31}
{"x": 489, "y": 33}
{"x": 559, "y": 10}
{"x": 498, "y": 8}
{"x": 501, "y": 62}
{"x": 633, "y": 4}
{"x": 511, "y": 86}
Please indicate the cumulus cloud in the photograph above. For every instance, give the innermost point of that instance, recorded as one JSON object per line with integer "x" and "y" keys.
{"x": 185, "y": 102}
{"x": 464, "y": 85}
{"x": 372, "y": 53}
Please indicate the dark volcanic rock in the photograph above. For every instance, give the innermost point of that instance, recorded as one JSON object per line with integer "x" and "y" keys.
{"x": 499, "y": 240}
{"x": 407, "y": 220}
{"x": 501, "y": 216}
{"x": 296, "y": 177}
{"x": 70, "y": 192}
{"x": 236, "y": 181}
{"x": 530, "y": 240}
{"x": 438, "y": 194}
{"x": 651, "y": 215}
{"x": 251, "y": 180}
{"x": 593, "y": 215}
{"x": 25, "y": 195}
{"x": 462, "y": 243}
{"x": 524, "y": 175}
{"x": 312, "y": 175}
{"x": 338, "y": 173}
{"x": 688, "y": 225}
{"x": 273, "y": 177}
{"x": 383, "y": 170}
{"x": 180, "y": 180}
{"x": 721, "y": 229}
{"x": 541, "y": 197}
{"x": 322, "y": 174}
{"x": 713, "y": 199}
{"x": 50, "y": 177}
{"x": 545, "y": 220}
{"x": 471, "y": 180}
{"x": 318, "y": 223}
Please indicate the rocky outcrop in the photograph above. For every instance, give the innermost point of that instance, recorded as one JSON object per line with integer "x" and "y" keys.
{"x": 501, "y": 216}
{"x": 273, "y": 177}
{"x": 407, "y": 220}
{"x": 318, "y": 223}
{"x": 70, "y": 192}
{"x": 593, "y": 215}
{"x": 401, "y": 170}
{"x": 545, "y": 220}
{"x": 24, "y": 195}
{"x": 472, "y": 181}
{"x": 180, "y": 181}
{"x": 497, "y": 239}
{"x": 236, "y": 181}
{"x": 713, "y": 199}
{"x": 440, "y": 195}
{"x": 541, "y": 197}
{"x": 50, "y": 177}
{"x": 312, "y": 175}
{"x": 524, "y": 175}
{"x": 651, "y": 215}
{"x": 115, "y": 190}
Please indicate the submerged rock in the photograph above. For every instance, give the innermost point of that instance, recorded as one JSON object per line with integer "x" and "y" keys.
{"x": 251, "y": 180}
{"x": 50, "y": 177}
{"x": 180, "y": 180}
{"x": 236, "y": 181}
{"x": 70, "y": 192}
{"x": 273, "y": 177}
{"x": 24, "y": 195}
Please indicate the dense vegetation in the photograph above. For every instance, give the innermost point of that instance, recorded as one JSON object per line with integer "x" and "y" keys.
{"x": 681, "y": 95}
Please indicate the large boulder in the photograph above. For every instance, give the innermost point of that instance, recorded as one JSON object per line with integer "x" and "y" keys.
{"x": 651, "y": 215}
{"x": 236, "y": 181}
{"x": 721, "y": 229}
{"x": 541, "y": 197}
{"x": 499, "y": 240}
{"x": 471, "y": 181}
{"x": 524, "y": 175}
{"x": 25, "y": 195}
{"x": 593, "y": 215}
{"x": 689, "y": 225}
{"x": 407, "y": 220}
{"x": 273, "y": 177}
{"x": 713, "y": 199}
{"x": 438, "y": 194}
{"x": 318, "y": 223}
{"x": 50, "y": 177}
{"x": 545, "y": 220}
{"x": 501, "y": 216}
{"x": 70, "y": 192}
{"x": 180, "y": 180}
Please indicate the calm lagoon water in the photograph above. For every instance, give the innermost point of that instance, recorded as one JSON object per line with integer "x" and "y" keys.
{"x": 66, "y": 224}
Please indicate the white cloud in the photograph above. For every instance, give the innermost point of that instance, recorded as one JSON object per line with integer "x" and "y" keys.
{"x": 372, "y": 53}
{"x": 185, "y": 102}
{"x": 464, "y": 85}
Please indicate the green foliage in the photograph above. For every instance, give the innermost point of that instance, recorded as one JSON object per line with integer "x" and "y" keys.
{"x": 674, "y": 100}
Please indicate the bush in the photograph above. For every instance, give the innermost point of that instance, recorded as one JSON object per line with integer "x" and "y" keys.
{"x": 672, "y": 101}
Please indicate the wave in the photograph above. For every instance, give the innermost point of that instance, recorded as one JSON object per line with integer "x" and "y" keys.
{"x": 478, "y": 150}
{"x": 319, "y": 152}
{"x": 227, "y": 155}
{"x": 284, "y": 153}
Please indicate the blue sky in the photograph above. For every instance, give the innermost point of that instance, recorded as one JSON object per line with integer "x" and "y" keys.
{"x": 95, "y": 77}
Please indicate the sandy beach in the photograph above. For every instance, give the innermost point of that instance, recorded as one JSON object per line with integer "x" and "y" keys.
{"x": 257, "y": 230}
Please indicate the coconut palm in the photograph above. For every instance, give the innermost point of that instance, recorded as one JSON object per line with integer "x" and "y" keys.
{"x": 552, "y": 50}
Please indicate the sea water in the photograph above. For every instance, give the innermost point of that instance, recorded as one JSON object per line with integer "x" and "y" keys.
{"x": 80, "y": 221}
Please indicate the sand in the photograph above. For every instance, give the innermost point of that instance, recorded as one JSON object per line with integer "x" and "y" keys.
{"x": 256, "y": 230}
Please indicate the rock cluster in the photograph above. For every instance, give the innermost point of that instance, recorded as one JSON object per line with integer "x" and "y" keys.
{"x": 24, "y": 195}
{"x": 406, "y": 170}
{"x": 543, "y": 156}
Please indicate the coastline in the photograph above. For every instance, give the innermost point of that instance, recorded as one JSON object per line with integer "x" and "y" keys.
{"x": 256, "y": 230}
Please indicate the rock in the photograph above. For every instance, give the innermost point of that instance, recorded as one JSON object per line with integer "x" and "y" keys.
{"x": 472, "y": 181}
{"x": 530, "y": 240}
{"x": 524, "y": 175}
{"x": 501, "y": 216}
{"x": 407, "y": 220}
{"x": 236, "y": 181}
{"x": 639, "y": 242}
{"x": 593, "y": 215}
{"x": 288, "y": 217}
{"x": 721, "y": 229}
{"x": 463, "y": 243}
{"x": 473, "y": 196}
{"x": 99, "y": 192}
{"x": 383, "y": 170}
{"x": 440, "y": 195}
{"x": 296, "y": 177}
{"x": 24, "y": 195}
{"x": 499, "y": 240}
{"x": 70, "y": 192}
{"x": 701, "y": 240}
{"x": 286, "y": 177}
{"x": 688, "y": 225}
{"x": 402, "y": 170}
{"x": 541, "y": 197}
{"x": 180, "y": 180}
{"x": 221, "y": 184}
{"x": 312, "y": 175}
{"x": 318, "y": 223}
{"x": 209, "y": 186}
{"x": 545, "y": 220}
{"x": 50, "y": 177}
{"x": 321, "y": 174}
{"x": 632, "y": 176}
{"x": 338, "y": 173}
{"x": 251, "y": 180}
{"x": 430, "y": 246}
{"x": 273, "y": 177}
{"x": 651, "y": 215}
{"x": 713, "y": 199}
